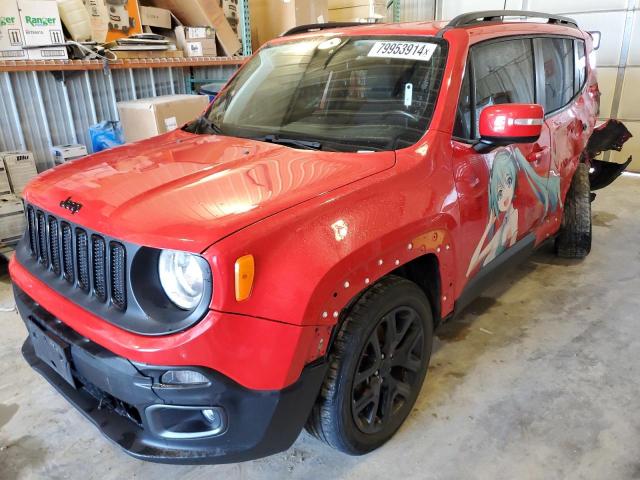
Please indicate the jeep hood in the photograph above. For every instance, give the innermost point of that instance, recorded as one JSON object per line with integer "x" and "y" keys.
{"x": 187, "y": 191}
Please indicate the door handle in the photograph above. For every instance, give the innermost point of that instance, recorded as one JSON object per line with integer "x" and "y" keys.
{"x": 536, "y": 154}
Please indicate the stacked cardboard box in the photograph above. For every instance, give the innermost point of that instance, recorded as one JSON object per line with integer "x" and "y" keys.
{"x": 66, "y": 153}
{"x": 30, "y": 23}
{"x": 11, "y": 37}
{"x": 357, "y": 10}
{"x": 20, "y": 167}
{"x": 196, "y": 41}
{"x": 5, "y": 186}
{"x": 152, "y": 116}
{"x": 41, "y": 26}
{"x": 270, "y": 18}
{"x": 12, "y": 219}
{"x": 204, "y": 13}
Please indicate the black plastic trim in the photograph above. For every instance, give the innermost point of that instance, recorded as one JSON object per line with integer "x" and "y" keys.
{"x": 499, "y": 266}
{"x": 114, "y": 394}
{"x": 316, "y": 27}
{"x": 472, "y": 19}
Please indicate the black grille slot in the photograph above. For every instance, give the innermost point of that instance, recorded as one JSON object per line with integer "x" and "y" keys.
{"x": 82, "y": 259}
{"x": 118, "y": 264}
{"x": 33, "y": 232}
{"x": 43, "y": 250}
{"x": 99, "y": 267}
{"x": 54, "y": 245}
{"x": 79, "y": 258}
{"x": 67, "y": 252}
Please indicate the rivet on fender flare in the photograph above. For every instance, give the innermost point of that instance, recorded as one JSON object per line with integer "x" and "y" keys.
{"x": 380, "y": 262}
{"x": 410, "y": 246}
{"x": 325, "y": 314}
{"x": 366, "y": 281}
{"x": 346, "y": 284}
{"x": 335, "y": 314}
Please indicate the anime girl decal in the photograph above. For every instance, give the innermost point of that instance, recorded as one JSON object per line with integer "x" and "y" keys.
{"x": 502, "y": 229}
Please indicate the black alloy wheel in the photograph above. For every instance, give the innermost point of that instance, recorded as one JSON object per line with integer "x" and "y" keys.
{"x": 388, "y": 369}
{"x": 377, "y": 364}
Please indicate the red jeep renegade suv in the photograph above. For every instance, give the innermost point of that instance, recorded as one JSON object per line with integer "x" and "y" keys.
{"x": 282, "y": 261}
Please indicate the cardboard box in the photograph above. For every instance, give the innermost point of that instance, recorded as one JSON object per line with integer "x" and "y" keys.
{"x": 155, "y": 17}
{"x": 148, "y": 117}
{"x": 65, "y": 153}
{"x": 196, "y": 41}
{"x": 11, "y": 37}
{"x": 357, "y": 10}
{"x": 12, "y": 219}
{"x": 200, "y": 48}
{"x": 41, "y": 26}
{"x": 270, "y": 18}
{"x": 21, "y": 168}
{"x": 205, "y": 13}
{"x": 113, "y": 19}
{"x": 5, "y": 186}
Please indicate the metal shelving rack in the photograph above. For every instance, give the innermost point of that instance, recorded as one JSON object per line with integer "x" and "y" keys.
{"x": 245, "y": 27}
{"x": 397, "y": 6}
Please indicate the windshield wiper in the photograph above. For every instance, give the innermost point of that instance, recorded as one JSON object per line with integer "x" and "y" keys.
{"x": 292, "y": 142}
{"x": 202, "y": 125}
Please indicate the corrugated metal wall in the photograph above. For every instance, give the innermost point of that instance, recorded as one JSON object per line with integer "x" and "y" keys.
{"x": 414, "y": 10}
{"x": 618, "y": 57}
{"x": 38, "y": 110}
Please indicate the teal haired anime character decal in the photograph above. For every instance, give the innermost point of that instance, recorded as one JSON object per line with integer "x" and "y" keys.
{"x": 502, "y": 228}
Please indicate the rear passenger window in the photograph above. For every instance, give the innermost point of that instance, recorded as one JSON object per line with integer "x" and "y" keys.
{"x": 503, "y": 73}
{"x": 581, "y": 65}
{"x": 557, "y": 59}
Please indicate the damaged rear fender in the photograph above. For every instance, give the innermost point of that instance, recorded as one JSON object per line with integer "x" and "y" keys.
{"x": 611, "y": 135}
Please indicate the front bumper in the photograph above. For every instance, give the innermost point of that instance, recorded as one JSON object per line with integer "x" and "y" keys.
{"x": 129, "y": 405}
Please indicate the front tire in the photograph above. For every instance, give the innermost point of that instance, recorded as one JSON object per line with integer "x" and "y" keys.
{"x": 574, "y": 237}
{"x": 377, "y": 366}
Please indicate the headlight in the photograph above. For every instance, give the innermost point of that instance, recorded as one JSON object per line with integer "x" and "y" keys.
{"x": 182, "y": 278}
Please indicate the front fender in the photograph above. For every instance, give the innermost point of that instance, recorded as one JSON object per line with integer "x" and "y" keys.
{"x": 312, "y": 259}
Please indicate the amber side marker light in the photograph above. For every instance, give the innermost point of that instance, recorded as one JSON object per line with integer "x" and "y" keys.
{"x": 245, "y": 270}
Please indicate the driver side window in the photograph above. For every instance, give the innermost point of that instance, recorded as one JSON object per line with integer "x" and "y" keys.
{"x": 497, "y": 72}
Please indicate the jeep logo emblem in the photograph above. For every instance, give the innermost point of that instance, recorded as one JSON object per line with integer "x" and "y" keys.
{"x": 70, "y": 205}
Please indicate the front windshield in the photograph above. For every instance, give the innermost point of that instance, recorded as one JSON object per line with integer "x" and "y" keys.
{"x": 343, "y": 93}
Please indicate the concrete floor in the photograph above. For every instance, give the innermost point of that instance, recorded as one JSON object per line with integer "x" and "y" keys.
{"x": 539, "y": 379}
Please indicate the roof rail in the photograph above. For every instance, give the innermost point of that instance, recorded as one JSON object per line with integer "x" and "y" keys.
{"x": 316, "y": 27}
{"x": 475, "y": 18}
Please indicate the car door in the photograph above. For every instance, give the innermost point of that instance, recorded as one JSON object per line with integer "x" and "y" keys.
{"x": 502, "y": 194}
{"x": 560, "y": 78}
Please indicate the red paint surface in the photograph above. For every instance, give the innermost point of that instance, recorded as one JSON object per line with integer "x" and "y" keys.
{"x": 229, "y": 197}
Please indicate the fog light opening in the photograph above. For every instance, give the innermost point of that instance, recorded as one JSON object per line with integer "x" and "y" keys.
{"x": 183, "y": 378}
{"x": 213, "y": 416}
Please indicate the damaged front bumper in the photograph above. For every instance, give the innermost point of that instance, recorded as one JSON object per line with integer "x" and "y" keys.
{"x": 611, "y": 135}
{"x": 218, "y": 421}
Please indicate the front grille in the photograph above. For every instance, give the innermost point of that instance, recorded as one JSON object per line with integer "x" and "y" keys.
{"x": 99, "y": 265}
{"x": 78, "y": 257}
{"x": 117, "y": 268}
{"x": 67, "y": 252}
{"x": 43, "y": 250}
{"x": 54, "y": 245}
{"x": 82, "y": 256}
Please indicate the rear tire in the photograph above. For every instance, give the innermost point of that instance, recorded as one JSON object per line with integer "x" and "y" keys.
{"x": 574, "y": 237}
{"x": 377, "y": 366}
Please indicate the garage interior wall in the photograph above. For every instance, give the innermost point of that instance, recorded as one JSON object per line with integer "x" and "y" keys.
{"x": 618, "y": 57}
{"x": 39, "y": 109}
